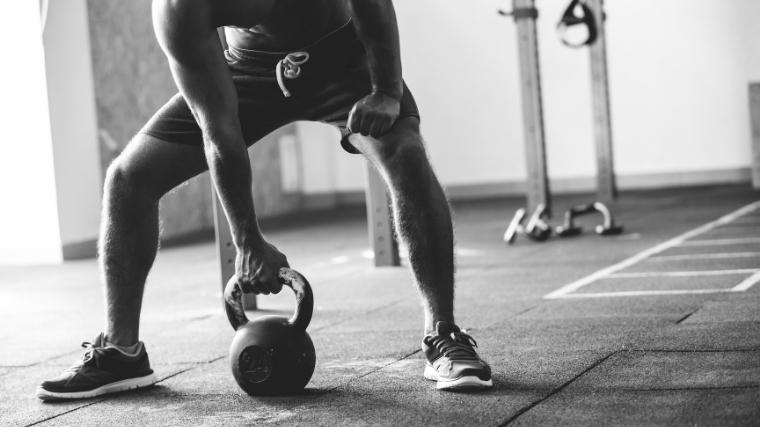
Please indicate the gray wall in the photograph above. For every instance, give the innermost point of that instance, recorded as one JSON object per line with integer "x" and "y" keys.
{"x": 132, "y": 81}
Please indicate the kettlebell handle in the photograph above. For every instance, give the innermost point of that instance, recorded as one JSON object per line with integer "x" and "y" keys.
{"x": 233, "y": 302}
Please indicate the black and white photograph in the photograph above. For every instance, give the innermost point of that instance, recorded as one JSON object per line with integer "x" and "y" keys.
{"x": 380, "y": 213}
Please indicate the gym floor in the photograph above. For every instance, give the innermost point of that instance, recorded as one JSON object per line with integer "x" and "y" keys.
{"x": 658, "y": 326}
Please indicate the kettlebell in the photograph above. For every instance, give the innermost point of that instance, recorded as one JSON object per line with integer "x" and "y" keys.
{"x": 272, "y": 355}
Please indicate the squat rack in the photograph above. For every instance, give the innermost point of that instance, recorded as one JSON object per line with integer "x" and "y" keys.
{"x": 538, "y": 193}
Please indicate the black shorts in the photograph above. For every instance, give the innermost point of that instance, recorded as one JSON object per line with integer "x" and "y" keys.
{"x": 335, "y": 76}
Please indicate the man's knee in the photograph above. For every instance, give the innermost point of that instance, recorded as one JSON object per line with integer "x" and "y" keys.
{"x": 120, "y": 183}
{"x": 402, "y": 150}
{"x": 125, "y": 182}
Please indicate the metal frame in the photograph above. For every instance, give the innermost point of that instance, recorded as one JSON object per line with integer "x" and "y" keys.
{"x": 380, "y": 220}
{"x": 538, "y": 193}
{"x": 754, "y": 111}
{"x": 605, "y": 169}
{"x": 226, "y": 249}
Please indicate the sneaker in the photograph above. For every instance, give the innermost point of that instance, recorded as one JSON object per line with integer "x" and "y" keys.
{"x": 104, "y": 369}
{"x": 452, "y": 360}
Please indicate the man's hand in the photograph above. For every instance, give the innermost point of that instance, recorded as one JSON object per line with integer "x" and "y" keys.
{"x": 374, "y": 115}
{"x": 257, "y": 268}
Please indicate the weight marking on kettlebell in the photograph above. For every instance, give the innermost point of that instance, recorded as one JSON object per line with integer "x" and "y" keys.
{"x": 255, "y": 363}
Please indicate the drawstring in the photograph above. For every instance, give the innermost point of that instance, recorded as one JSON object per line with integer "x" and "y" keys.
{"x": 290, "y": 68}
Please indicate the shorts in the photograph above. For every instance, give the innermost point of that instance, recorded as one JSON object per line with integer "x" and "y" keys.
{"x": 335, "y": 76}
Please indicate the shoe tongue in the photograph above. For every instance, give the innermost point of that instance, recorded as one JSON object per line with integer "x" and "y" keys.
{"x": 100, "y": 340}
{"x": 445, "y": 328}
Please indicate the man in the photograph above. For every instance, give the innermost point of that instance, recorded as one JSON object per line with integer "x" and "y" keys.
{"x": 334, "y": 61}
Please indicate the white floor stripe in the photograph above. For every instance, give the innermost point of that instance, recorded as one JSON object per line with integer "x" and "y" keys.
{"x": 696, "y": 273}
{"x": 571, "y": 287}
{"x": 717, "y": 255}
{"x": 747, "y": 283}
{"x": 644, "y": 293}
{"x": 721, "y": 242}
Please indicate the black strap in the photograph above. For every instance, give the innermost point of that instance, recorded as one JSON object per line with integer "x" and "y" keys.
{"x": 570, "y": 19}
{"x": 525, "y": 13}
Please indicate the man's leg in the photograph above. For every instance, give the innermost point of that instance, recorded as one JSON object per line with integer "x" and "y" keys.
{"x": 421, "y": 213}
{"x": 135, "y": 181}
{"x": 424, "y": 224}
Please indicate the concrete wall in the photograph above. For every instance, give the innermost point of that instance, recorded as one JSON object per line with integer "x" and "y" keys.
{"x": 132, "y": 80}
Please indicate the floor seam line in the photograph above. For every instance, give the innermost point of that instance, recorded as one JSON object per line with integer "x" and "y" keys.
{"x": 518, "y": 314}
{"x": 678, "y": 322}
{"x": 176, "y": 373}
{"x": 557, "y": 390}
{"x": 667, "y": 350}
{"x": 731, "y": 387}
{"x": 511, "y": 317}
{"x": 374, "y": 370}
{"x": 41, "y": 361}
{"x": 212, "y": 360}
{"x": 44, "y": 420}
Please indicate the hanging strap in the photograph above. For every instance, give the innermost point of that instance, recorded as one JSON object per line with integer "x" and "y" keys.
{"x": 571, "y": 18}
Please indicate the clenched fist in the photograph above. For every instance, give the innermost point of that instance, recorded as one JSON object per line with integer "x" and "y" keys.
{"x": 374, "y": 115}
{"x": 257, "y": 268}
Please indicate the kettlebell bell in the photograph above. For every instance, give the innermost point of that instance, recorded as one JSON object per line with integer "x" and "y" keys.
{"x": 272, "y": 355}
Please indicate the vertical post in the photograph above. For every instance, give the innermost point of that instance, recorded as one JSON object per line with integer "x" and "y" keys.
{"x": 605, "y": 170}
{"x": 525, "y": 15}
{"x": 754, "y": 111}
{"x": 379, "y": 221}
{"x": 226, "y": 249}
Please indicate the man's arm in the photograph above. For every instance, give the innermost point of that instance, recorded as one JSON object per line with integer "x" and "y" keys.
{"x": 187, "y": 33}
{"x": 375, "y": 23}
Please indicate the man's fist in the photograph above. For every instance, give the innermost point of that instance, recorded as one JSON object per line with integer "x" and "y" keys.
{"x": 374, "y": 115}
{"x": 258, "y": 267}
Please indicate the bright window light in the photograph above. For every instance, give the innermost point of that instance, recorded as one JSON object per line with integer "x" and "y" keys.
{"x": 29, "y": 231}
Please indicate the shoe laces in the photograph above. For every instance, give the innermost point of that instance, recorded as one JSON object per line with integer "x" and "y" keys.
{"x": 456, "y": 345}
{"x": 89, "y": 355}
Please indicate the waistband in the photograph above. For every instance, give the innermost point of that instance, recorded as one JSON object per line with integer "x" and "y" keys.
{"x": 326, "y": 46}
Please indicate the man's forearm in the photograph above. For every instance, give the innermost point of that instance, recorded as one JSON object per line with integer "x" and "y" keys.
{"x": 375, "y": 22}
{"x": 231, "y": 176}
{"x": 198, "y": 66}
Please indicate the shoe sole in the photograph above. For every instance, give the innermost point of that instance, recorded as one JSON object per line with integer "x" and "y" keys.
{"x": 115, "y": 387}
{"x": 462, "y": 383}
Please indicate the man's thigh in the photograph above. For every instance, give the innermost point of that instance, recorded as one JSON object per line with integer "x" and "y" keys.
{"x": 156, "y": 166}
{"x": 175, "y": 123}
